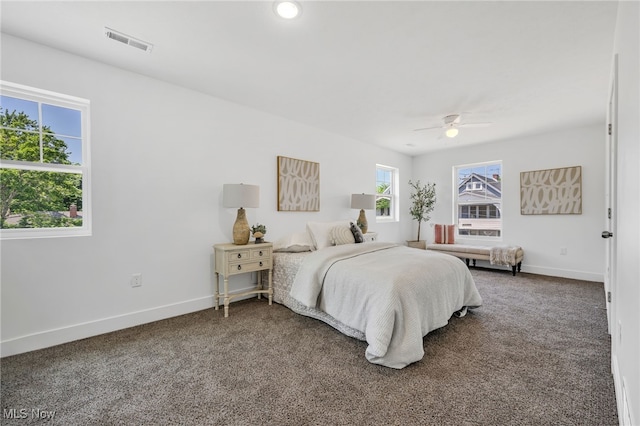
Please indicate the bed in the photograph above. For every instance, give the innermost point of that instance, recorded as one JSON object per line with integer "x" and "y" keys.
{"x": 386, "y": 294}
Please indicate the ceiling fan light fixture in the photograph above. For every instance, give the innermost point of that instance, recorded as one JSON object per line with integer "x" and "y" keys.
{"x": 287, "y": 9}
{"x": 451, "y": 132}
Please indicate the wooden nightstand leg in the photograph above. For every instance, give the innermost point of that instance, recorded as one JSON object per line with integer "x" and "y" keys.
{"x": 217, "y": 296}
{"x": 270, "y": 288}
{"x": 259, "y": 284}
{"x": 226, "y": 296}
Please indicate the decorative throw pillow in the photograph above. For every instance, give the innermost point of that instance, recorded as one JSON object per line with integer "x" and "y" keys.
{"x": 293, "y": 243}
{"x": 319, "y": 232}
{"x": 444, "y": 234}
{"x": 357, "y": 233}
{"x": 341, "y": 235}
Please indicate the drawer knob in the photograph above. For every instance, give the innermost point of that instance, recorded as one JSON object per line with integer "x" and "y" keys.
{"x": 260, "y": 253}
{"x": 239, "y": 255}
{"x": 260, "y": 263}
{"x": 239, "y": 267}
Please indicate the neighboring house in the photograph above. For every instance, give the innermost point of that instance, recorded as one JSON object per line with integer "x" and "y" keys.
{"x": 479, "y": 205}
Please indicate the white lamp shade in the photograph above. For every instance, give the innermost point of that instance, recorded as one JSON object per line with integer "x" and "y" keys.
{"x": 363, "y": 201}
{"x": 240, "y": 195}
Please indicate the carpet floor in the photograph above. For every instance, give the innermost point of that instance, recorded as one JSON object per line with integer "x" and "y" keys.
{"x": 536, "y": 353}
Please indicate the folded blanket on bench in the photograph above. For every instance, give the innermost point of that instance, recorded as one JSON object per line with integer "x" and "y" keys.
{"x": 503, "y": 255}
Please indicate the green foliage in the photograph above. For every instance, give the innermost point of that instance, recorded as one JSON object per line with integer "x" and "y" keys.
{"x": 47, "y": 220}
{"x": 258, "y": 228}
{"x": 423, "y": 201}
{"x": 382, "y": 203}
{"x": 31, "y": 193}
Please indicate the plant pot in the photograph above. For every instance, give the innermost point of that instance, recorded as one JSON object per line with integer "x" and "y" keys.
{"x": 422, "y": 244}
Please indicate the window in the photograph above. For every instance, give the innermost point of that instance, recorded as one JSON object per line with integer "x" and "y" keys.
{"x": 478, "y": 199}
{"x": 44, "y": 163}
{"x": 387, "y": 193}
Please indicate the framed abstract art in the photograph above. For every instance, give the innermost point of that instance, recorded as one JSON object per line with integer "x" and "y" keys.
{"x": 298, "y": 185}
{"x": 551, "y": 191}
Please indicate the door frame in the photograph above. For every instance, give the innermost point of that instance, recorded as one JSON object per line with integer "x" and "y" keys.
{"x": 611, "y": 185}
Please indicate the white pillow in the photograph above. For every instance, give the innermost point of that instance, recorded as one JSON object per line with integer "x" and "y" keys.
{"x": 294, "y": 243}
{"x": 320, "y": 232}
{"x": 341, "y": 235}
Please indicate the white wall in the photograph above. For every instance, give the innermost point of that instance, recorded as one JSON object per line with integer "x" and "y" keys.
{"x": 160, "y": 155}
{"x": 625, "y": 330}
{"x": 540, "y": 236}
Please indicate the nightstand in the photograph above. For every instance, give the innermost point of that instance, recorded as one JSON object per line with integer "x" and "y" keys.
{"x": 370, "y": 237}
{"x": 232, "y": 259}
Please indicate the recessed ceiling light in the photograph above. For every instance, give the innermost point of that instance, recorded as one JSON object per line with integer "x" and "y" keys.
{"x": 287, "y": 9}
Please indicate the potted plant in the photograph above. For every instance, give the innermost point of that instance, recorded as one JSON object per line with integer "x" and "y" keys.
{"x": 258, "y": 232}
{"x": 423, "y": 201}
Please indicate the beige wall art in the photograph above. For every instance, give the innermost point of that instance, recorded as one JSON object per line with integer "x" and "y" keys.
{"x": 552, "y": 191}
{"x": 298, "y": 185}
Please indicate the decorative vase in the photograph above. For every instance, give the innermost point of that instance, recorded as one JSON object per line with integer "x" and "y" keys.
{"x": 362, "y": 222}
{"x": 259, "y": 237}
{"x": 241, "y": 230}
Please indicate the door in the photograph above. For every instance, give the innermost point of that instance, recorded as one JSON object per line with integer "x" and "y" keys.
{"x": 610, "y": 193}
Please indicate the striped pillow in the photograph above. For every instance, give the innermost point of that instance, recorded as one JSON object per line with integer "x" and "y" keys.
{"x": 341, "y": 235}
{"x": 445, "y": 234}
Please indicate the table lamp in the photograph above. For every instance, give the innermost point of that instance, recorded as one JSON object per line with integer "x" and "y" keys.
{"x": 363, "y": 202}
{"x": 240, "y": 196}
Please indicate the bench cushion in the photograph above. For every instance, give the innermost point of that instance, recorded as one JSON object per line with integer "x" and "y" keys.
{"x": 460, "y": 248}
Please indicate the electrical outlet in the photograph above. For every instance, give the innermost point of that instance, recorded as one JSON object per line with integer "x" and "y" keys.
{"x": 563, "y": 251}
{"x": 136, "y": 280}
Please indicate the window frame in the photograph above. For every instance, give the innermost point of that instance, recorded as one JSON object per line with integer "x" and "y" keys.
{"x": 42, "y": 96}
{"x": 393, "y": 194}
{"x": 456, "y": 204}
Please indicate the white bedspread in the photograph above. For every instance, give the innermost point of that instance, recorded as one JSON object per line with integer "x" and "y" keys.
{"x": 394, "y": 294}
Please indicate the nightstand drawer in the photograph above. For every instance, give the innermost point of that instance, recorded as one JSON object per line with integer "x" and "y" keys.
{"x": 242, "y": 267}
{"x": 260, "y": 253}
{"x": 238, "y": 255}
{"x": 370, "y": 237}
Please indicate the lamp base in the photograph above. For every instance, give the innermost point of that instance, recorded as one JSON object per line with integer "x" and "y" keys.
{"x": 362, "y": 222}
{"x": 241, "y": 230}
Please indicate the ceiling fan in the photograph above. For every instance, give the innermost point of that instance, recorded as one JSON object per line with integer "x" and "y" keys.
{"x": 451, "y": 124}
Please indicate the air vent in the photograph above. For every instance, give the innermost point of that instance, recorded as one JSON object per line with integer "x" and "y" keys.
{"x": 123, "y": 38}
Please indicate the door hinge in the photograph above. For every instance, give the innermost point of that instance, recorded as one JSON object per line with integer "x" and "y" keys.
{"x": 609, "y": 296}
{"x": 609, "y": 130}
{"x": 609, "y": 212}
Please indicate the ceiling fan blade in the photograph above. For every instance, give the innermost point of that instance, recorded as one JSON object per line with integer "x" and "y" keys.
{"x": 427, "y": 128}
{"x": 475, "y": 124}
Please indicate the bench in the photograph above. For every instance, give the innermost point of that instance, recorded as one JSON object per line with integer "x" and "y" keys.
{"x": 511, "y": 256}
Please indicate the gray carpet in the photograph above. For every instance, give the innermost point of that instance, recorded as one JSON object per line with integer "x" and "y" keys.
{"x": 536, "y": 353}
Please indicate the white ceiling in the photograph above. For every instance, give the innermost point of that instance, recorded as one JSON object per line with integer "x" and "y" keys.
{"x": 370, "y": 70}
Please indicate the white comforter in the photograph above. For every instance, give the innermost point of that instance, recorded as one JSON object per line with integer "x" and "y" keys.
{"x": 394, "y": 294}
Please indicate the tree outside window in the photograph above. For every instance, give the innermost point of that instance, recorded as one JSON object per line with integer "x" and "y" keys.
{"x": 42, "y": 174}
{"x": 386, "y": 192}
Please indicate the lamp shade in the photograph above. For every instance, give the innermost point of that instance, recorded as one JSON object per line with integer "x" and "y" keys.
{"x": 363, "y": 201}
{"x": 240, "y": 195}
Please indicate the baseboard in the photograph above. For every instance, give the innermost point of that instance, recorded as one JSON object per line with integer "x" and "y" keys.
{"x": 564, "y": 273}
{"x": 68, "y": 334}
{"x": 625, "y": 416}
{"x": 553, "y": 272}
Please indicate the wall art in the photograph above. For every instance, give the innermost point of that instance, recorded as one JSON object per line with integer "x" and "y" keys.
{"x": 298, "y": 185}
{"x": 552, "y": 191}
